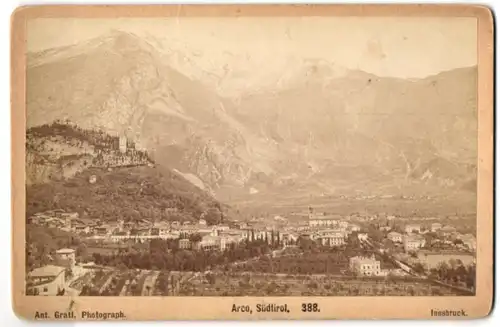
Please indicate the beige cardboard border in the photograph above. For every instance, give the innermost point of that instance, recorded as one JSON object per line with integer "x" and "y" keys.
{"x": 206, "y": 308}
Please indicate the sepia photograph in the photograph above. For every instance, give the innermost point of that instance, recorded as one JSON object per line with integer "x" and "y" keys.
{"x": 244, "y": 156}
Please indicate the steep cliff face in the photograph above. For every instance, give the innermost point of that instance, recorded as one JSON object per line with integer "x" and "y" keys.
{"x": 54, "y": 156}
{"x": 40, "y": 169}
{"x": 320, "y": 129}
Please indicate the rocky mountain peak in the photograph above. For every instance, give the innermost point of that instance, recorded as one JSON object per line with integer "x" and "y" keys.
{"x": 322, "y": 127}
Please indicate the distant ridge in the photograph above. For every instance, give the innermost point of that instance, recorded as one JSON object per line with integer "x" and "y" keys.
{"x": 323, "y": 127}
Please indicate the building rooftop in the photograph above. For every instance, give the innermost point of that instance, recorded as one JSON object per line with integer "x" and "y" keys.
{"x": 65, "y": 214}
{"x": 334, "y": 234}
{"x": 413, "y": 238}
{"x": 467, "y": 237}
{"x": 46, "y": 271}
{"x": 162, "y": 224}
{"x": 325, "y": 217}
{"x": 365, "y": 259}
{"x": 87, "y": 221}
{"x": 65, "y": 251}
{"x": 208, "y": 238}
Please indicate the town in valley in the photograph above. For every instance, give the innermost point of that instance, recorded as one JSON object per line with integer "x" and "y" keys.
{"x": 150, "y": 175}
{"x": 306, "y": 251}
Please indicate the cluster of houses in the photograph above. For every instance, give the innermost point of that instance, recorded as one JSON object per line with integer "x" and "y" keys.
{"x": 331, "y": 230}
{"x": 414, "y": 237}
{"x": 215, "y": 237}
{"x": 327, "y": 230}
{"x": 54, "y": 218}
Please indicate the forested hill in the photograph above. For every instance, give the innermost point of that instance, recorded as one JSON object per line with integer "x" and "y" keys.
{"x": 131, "y": 193}
{"x": 84, "y": 171}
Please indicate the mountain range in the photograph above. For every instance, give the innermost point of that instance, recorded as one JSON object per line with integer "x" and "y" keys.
{"x": 317, "y": 129}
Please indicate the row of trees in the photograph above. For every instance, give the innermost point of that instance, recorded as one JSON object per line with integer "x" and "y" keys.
{"x": 69, "y": 130}
{"x": 161, "y": 257}
{"x": 42, "y": 242}
{"x": 312, "y": 259}
{"x": 455, "y": 273}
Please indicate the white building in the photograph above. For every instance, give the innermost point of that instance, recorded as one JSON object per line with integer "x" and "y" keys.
{"x": 138, "y": 146}
{"x": 363, "y": 236}
{"x": 69, "y": 215}
{"x": 436, "y": 227}
{"x": 448, "y": 230}
{"x": 471, "y": 244}
{"x": 469, "y": 240}
{"x": 365, "y": 266}
{"x": 212, "y": 243}
{"x": 395, "y": 237}
{"x": 413, "y": 228}
{"x": 322, "y": 220}
{"x": 333, "y": 239}
{"x": 343, "y": 224}
{"x": 235, "y": 234}
{"x": 242, "y": 225}
{"x": 184, "y": 244}
{"x": 81, "y": 229}
{"x": 67, "y": 254}
{"x": 413, "y": 242}
{"x": 222, "y": 228}
{"x": 244, "y": 234}
{"x": 354, "y": 228}
{"x": 119, "y": 237}
{"x": 47, "y": 280}
{"x": 122, "y": 144}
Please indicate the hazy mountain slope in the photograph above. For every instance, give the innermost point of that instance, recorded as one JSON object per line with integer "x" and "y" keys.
{"x": 120, "y": 84}
{"x": 395, "y": 126}
{"x": 322, "y": 129}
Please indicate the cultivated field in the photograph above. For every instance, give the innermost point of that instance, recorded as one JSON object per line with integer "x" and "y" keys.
{"x": 306, "y": 285}
{"x": 174, "y": 283}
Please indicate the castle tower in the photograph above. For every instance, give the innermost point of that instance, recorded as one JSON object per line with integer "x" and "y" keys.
{"x": 122, "y": 144}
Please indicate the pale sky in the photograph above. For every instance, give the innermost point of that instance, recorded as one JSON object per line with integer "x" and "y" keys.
{"x": 399, "y": 47}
